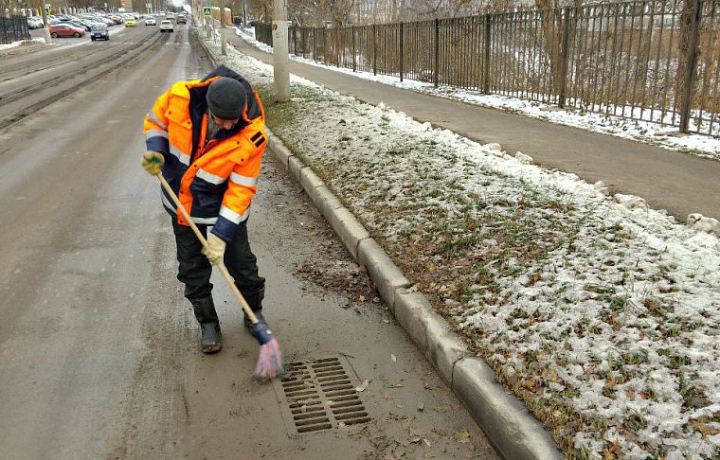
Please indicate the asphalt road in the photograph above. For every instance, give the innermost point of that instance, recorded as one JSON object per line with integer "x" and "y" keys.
{"x": 98, "y": 348}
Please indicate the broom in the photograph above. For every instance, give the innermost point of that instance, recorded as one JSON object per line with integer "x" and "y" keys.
{"x": 269, "y": 363}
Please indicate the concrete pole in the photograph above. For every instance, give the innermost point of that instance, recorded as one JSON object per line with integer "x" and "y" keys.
{"x": 280, "y": 51}
{"x": 46, "y": 26}
{"x": 223, "y": 48}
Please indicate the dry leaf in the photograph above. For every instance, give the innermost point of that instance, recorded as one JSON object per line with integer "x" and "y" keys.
{"x": 427, "y": 443}
{"x": 363, "y": 386}
{"x": 361, "y": 298}
{"x": 464, "y": 437}
{"x": 706, "y": 430}
{"x": 612, "y": 381}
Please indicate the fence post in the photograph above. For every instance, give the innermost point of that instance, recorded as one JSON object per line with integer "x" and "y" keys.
{"x": 353, "y": 50}
{"x": 402, "y": 40}
{"x": 486, "y": 75}
{"x": 437, "y": 53}
{"x": 294, "y": 39}
{"x": 374, "y": 49}
{"x": 690, "y": 65}
{"x": 324, "y": 46}
{"x": 336, "y": 33}
{"x": 564, "y": 58}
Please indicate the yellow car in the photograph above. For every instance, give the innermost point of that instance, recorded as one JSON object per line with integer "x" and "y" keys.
{"x": 130, "y": 23}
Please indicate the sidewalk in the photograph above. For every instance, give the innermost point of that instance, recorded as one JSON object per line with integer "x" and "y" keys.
{"x": 678, "y": 182}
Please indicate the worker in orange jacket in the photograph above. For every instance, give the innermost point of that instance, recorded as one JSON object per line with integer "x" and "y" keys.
{"x": 208, "y": 138}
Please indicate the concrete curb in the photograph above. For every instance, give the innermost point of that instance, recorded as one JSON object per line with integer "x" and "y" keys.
{"x": 514, "y": 432}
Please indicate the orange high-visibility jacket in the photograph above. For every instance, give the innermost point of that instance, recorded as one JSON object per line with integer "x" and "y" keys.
{"x": 215, "y": 182}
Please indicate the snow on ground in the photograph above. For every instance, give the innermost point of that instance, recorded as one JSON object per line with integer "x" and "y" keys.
{"x": 601, "y": 314}
{"x": 643, "y": 131}
{"x": 16, "y": 44}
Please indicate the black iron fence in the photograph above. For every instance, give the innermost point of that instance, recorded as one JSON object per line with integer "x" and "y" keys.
{"x": 650, "y": 60}
{"x": 13, "y": 29}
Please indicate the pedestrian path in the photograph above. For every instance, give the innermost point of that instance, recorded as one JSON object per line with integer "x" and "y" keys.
{"x": 678, "y": 182}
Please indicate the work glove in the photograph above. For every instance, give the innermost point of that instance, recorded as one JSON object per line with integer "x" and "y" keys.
{"x": 215, "y": 249}
{"x": 153, "y": 162}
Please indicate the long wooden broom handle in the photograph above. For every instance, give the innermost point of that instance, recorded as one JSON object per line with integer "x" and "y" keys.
{"x": 220, "y": 265}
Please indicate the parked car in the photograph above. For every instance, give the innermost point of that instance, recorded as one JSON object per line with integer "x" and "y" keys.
{"x": 166, "y": 26}
{"x": 130, "y": 23}
{"x": 81, "y": 25}
{"x": 99, "y": 32}
{"x": 150, "y": 22}
{"x": 181, "y": 19}
{"x": 35, "y": 23}
{"x": 66, "y": 30}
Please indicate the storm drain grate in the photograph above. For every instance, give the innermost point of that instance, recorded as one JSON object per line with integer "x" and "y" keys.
{"x": 320, "y": 395}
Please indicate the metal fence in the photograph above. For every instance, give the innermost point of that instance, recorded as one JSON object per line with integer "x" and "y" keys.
{"x": 650, "y": 60}
{"x": 13, "y": 29}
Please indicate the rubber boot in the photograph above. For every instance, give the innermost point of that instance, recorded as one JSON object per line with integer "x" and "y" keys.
{"x": 255, "y": 302}
{"x": 211, "y": 340}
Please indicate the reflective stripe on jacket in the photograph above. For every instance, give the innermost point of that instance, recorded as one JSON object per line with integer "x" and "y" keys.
{"x": 215, "y": 182}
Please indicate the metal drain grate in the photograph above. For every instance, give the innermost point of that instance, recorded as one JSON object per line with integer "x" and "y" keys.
{"x": 320, "y": 395}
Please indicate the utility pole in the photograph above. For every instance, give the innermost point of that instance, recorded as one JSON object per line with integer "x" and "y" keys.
{"x": 280, "y": 51}
{"x": 46, "y": 26}
{"x": 223, "y": 48}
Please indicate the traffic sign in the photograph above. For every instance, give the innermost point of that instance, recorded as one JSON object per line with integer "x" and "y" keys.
{"x": 206, "y": 11}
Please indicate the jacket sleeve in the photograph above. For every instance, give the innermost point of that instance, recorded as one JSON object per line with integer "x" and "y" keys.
{"x": 155, "y": 126}
{"x": 242, "y": 183}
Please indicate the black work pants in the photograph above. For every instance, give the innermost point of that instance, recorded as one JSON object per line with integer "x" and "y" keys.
{"x": 195, "y": 269}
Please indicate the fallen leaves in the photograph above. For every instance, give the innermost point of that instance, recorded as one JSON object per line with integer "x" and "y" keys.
{"x": 464, "y": 437}
{"x": 706, "y": 430}
{"x": 363, "y": 386}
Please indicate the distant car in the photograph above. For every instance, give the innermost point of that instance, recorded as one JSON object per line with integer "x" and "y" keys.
{"x": 99, "y": 32}
{"x": 181, "y": 19}
{"x": 130, "y": 23}
{"x": 81, "y": 25}
{"x": 34, "y": 23}
{"x": 66, "y": 30}
{"x": 150, "y": 22}
{"x": 166, "y": 26}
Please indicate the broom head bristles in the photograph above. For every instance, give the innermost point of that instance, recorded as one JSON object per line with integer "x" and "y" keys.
{"x": 270, "y": 364}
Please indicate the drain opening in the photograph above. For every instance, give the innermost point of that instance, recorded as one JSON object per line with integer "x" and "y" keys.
{"x": 321, "y": 395}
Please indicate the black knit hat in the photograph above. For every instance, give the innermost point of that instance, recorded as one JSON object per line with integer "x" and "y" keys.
{"x": 226, "y": 98}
